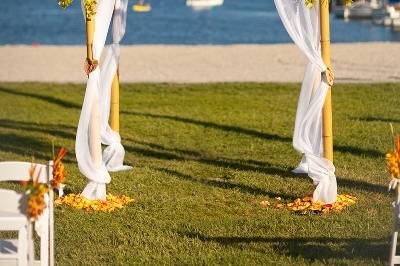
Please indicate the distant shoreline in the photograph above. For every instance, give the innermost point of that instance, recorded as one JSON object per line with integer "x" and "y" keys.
{"x": 353, "y": 62}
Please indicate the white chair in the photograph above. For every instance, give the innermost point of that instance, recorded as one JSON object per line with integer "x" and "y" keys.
{"x": 13, "y": 218}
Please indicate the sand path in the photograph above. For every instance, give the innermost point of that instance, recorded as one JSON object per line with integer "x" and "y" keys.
{"x": 360, "y": 62}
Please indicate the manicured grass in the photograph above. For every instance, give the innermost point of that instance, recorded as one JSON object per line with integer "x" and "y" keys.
{"x": 204, "y": 157}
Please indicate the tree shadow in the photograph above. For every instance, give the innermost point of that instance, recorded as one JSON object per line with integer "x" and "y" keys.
{"x": 46, "y": 98}
{"x": 207, "y": 124}
{"x": 356, "y": 151}
{"x": 361, "y": 186}
{"x": 226, "y": 184}
{"x": 310, "y": 248}
{"x": 160, "y": 152}
{"x": 350, "y": 184}
{"x": 228, "y": 128}
{"x": 62, "y": 131}
{"x": 27, "y": 147}
{"x": 377, "y": 119}
{"x": 360, "y": 152}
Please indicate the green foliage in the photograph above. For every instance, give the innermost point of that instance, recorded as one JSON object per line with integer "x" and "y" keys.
{"x": 204, "y": 158}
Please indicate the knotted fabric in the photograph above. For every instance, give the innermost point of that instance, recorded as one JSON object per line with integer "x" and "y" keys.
{"x": 93, "y": 128}
{"x": 303, "y": 25}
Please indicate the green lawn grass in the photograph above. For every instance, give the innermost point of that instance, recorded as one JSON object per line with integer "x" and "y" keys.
{"x": 204, "y": 157}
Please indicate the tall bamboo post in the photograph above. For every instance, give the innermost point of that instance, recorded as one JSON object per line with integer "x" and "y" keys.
{"x": 89, "y": 38}
{"x": 114, "y": 116}
{"x": 326, "y": 56}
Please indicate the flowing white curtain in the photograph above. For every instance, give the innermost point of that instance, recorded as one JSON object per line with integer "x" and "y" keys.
{"x": 302, "y": 24}
{"x": 93, "y": 128}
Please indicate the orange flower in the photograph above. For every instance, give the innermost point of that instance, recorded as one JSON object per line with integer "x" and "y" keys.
{"x": 58, "y": 169}
{"x": 35, "y": 192}
{"x": 393, "y": 159}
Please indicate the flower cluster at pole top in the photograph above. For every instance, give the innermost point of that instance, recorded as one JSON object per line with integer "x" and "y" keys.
{"x": 311, "y": 3}
{"x": 77, "y": 201}
{"x": 90, "y": 6}
{"x": 306, "y": 205}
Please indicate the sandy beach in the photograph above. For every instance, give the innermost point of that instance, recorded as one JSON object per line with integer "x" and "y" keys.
{"x": 355, "y": 62}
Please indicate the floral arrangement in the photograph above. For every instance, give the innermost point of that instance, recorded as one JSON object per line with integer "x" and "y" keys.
{"x": 311, "y": 3}
{"x": 58, "y": 169}
{"x": 35, "y": 192}
{"x": 90, "y": 6}
{"x": 112, "y": 202}
{"x": 306, "y": 205}
{"x": 393, "y": 161}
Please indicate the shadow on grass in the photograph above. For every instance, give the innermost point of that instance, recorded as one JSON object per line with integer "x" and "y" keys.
{"x": 310, "y": 248}
{"x": 359, "y": 151}
{"x": 57, "y": 130}
{"x": 361, "y": 186}
{"x": 158, "y": 151}
{"x": 27, "y": 147}
{"x": 356, "y": 151}
{"x": 349, "y": 184}
{"x": 377, "y": 119}
{"x": 46, "y": 98}
{"x": 207, "y": 124}
{"x": 226, "y": 184}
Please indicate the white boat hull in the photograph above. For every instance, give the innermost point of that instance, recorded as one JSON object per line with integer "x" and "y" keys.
{"x": 358, "y": 10}
{"x": 204, "y": 3}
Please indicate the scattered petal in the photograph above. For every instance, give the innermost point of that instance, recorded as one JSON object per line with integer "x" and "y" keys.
{"x": 307, "y": 205}
{"x": 265, "y": 203}
{"x": 112, "y": 202}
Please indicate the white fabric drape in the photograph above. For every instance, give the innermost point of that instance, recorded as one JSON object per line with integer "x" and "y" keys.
{"x": 93, "y": 128}
{"x": 302, "y": 24}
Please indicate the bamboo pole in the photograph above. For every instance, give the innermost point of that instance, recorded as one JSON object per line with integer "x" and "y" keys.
{"x": 91, "y": 63}
{"x": 89, "y": 38}
{"x": 114, "y": 116}
{"x": 326, "y": 56}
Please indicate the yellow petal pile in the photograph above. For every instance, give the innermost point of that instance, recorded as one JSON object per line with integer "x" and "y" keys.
{"x": 112, "y": 202}
{"x": 306, "y": 205}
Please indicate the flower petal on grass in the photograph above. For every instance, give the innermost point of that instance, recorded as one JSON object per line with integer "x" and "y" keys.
{"x": 111, "y": 203}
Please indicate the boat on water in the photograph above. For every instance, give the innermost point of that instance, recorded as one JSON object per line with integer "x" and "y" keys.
{"x": 204, "y": 4}
{"x": 388, "y": 15}
{"x": 361, "y": 9}
{"x": 141, "y": 6}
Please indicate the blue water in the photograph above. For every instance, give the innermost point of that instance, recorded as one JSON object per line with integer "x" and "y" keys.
{"x": 170, "y": 22}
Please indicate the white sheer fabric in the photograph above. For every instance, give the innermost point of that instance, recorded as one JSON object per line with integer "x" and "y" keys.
{"x": 302, "y": 24}
{"x": 93, "y": 128}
